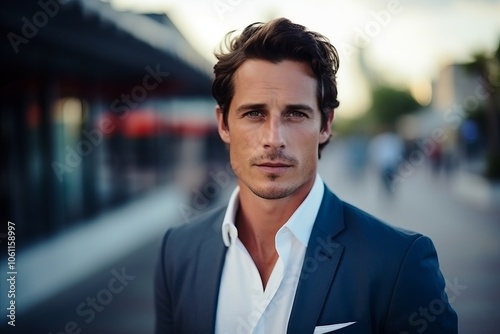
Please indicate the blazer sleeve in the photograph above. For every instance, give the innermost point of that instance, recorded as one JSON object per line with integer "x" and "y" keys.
{"x": 419, "y": 303}
{"x": 163, "y": 305}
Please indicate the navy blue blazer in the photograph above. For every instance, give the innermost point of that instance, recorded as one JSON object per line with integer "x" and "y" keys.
{"x": 356, "y": 269}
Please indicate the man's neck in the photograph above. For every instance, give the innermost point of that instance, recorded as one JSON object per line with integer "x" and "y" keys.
{"x": 258, "y": 220}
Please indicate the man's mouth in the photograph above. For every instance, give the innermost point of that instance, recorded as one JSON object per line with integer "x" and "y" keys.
{"x": 273, "y": 166}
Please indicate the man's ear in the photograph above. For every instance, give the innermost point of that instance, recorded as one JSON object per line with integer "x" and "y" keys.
{"x": 223, "y": 129}
{"x": 326, "y": 131}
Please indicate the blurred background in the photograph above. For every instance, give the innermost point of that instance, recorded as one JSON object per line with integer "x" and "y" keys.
{"x": 108, "y": 138}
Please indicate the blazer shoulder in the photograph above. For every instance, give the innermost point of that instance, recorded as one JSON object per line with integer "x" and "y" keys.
{"x": 369, "y": 227}
{"x": 203, "y": 226}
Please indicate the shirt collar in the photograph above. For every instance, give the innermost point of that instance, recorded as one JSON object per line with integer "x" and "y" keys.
{"x": 302, "y": 220}
{"x": 300, "y": 223}
{"x": 229, "y": 230}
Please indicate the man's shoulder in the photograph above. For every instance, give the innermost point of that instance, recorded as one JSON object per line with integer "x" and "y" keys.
{"x": 185, "y": 244}
{"x": 366, "y": 227}
{"x": 203, "y": 225}
{"x": 372, "y": 238}
{"x": 369, "y": 221}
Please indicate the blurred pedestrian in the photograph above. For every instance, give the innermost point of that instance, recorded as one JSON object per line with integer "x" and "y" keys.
{"x": 356, "y": 156}
{"x": 469, "y": 132}
{"x": 386, "y": 152}
{"x": 286, "y": 255}
{"x": 436, "y": 158}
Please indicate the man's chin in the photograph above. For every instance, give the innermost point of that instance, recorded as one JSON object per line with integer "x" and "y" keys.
{"x": 272, "y": 192}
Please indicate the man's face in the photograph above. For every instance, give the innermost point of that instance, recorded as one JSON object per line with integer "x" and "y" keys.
{"x": 274, "y": 128}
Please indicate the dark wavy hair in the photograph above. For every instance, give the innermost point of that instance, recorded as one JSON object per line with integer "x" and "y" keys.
{"x": 275, "y": 41}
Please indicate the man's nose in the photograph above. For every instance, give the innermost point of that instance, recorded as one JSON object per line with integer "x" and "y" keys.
{"x": 274, "y": 133}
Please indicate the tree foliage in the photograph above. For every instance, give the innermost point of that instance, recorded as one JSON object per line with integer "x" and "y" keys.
{"x": 390, "y": 103}
{"x": 488, "y": 68}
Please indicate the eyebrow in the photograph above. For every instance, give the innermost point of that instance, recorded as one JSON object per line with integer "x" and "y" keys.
{"x": 251, "y": 106}
{"x": 262, "y": 106}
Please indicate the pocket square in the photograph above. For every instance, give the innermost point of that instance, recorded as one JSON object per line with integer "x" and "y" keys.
{"x": 331, "y": 328}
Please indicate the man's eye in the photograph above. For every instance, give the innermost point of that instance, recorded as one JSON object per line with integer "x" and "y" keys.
{"x": 297, "y": 114}
{"x": 253, "y": 114}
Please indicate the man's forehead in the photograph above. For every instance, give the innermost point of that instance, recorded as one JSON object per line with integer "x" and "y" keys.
{"x": 283, "y": 65}
{"x": 278, "y": 77}
{"x": 279, "y": 84}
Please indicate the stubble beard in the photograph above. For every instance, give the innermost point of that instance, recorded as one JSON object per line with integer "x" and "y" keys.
{"x": 273, "y": 192}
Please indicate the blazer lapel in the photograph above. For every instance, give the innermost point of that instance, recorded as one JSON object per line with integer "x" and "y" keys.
{"x": 320, "y": 264}
{"x": 207, "y": 281}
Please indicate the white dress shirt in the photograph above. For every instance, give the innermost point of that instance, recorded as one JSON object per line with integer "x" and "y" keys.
{"x": 244, "y": 306}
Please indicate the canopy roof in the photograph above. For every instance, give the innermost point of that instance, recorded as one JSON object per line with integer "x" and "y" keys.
{"x": 87, "y": 39}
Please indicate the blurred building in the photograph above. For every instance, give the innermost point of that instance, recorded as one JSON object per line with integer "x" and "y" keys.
{"x": 457, "y": 91}
{"x": 94, "y": 106}
{"x": 456, "y": 114}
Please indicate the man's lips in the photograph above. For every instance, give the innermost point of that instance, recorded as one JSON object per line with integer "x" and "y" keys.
{"x": 273, "y": 167}
{"x": 273, "y": 164}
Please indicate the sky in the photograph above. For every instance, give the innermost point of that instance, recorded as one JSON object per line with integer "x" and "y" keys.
{"x": 404, "y": 42}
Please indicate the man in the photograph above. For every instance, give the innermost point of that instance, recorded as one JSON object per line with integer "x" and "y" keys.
{"x": 286, "y": 255}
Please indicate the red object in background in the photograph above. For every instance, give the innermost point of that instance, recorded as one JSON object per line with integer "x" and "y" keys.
{"x": 33, "y": 115}
{"x": 132, "y": 124}
{"x": 143, "y": 123}
{"x": 140, "y": 124}
{"x": 189, "y": 129}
